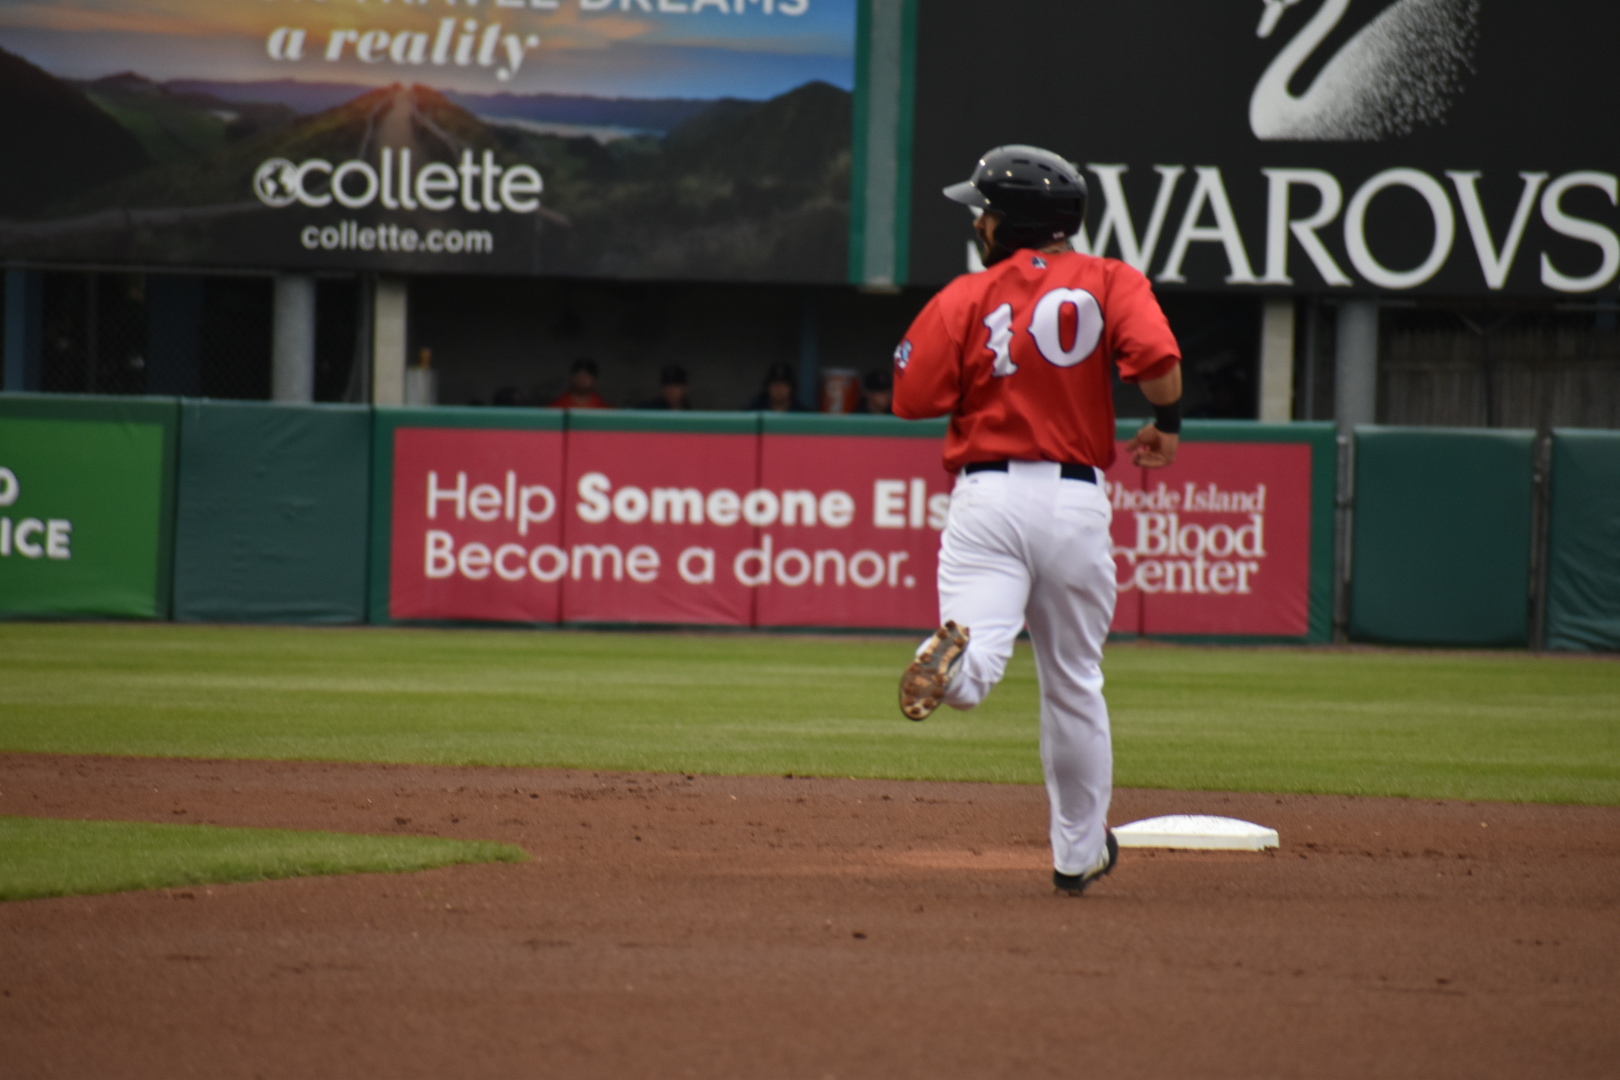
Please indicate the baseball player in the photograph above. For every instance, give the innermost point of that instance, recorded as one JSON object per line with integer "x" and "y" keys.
{"x": 1021, "y": 358}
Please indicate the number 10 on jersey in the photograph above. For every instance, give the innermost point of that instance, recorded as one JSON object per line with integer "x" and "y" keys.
{"x": 1066, "y": 328}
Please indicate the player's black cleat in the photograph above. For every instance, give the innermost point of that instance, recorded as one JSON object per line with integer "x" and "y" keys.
{"x": 922, "y": 687}
{"x": 1075, "y": 884}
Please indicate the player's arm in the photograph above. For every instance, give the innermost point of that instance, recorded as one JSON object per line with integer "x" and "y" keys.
{"x": 1154, "y": 447}
{"x": 1147, "y": 354}
{"x": 928, "y": 367}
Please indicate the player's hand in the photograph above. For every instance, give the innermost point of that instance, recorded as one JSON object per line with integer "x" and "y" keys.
{"x": 1153, "y": 449}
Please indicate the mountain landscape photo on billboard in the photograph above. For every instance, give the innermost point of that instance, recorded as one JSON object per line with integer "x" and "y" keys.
{"x": 725, "y": 158}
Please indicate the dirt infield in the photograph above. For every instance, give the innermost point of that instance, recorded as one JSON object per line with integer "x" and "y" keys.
{"x": 772, "y": 927}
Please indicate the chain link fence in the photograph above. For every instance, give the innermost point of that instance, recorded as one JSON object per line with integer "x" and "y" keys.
{"x": 1447, "y": 365}
{"x": 1475, "y": 365}
{"x": 1501, "y": 366}
{"x": 180, "y": 334}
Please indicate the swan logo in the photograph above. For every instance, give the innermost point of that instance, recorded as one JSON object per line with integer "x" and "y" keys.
{"x": 1403, "y": 69}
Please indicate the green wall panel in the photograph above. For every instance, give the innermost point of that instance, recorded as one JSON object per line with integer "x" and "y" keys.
{"x": 775, "y": 423}
{"x": 652, "y": 420}
{"x": 86, "y": 506}
{"x": 1441, "y": 546}
{"x": 1583, "y": 573}
{"x": 273, "y": 512}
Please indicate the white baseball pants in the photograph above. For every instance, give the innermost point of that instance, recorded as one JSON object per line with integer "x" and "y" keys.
{"x": 1026, "y": 546}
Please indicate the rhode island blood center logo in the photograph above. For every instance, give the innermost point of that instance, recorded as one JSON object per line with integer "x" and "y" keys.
{"x": 1219, "y": 543}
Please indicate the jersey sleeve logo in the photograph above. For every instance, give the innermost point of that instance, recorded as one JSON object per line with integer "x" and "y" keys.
{"x": 902, "y": 354}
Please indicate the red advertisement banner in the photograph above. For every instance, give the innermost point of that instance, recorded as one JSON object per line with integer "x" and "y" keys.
{"x": 656, "y": 524}
{"x": 807, "y": 530}
{"x": 872, "y": 565}
{"x": 477, "y": 530}
{"x": 1219, "y": 543}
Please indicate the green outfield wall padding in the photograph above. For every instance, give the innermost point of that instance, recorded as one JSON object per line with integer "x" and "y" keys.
{"x": 1583, "y": 571}
{"x": 86, "y": 506}
{"x": 774, "y": 423}
{"x": 1441, "y": 546}
{"x": 273, "y": 512}
{"x": 652, "y": 420}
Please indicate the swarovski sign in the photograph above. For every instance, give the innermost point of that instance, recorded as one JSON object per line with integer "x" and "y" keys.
{"x": 1495, "y": 245}
{"x": 1331, "y": 145}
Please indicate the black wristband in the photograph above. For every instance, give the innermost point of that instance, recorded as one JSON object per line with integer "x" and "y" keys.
{"x": 1167, "y": 418}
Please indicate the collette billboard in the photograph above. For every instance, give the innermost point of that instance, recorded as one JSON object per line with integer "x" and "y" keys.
{"x": 690, "y": 139}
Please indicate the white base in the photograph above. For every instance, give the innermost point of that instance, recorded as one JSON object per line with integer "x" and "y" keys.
{"x": 1200, "y": 832}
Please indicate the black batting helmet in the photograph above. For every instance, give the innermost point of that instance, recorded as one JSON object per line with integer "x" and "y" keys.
{"x": 1041, "y": 197}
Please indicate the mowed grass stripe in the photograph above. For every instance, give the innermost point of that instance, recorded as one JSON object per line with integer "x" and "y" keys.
{"x": 42, "y": 857}
{"x": 1456, "y": 725}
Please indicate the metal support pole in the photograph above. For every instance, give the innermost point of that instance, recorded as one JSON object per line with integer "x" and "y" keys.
{"x": 1277, "y": 360}
{"x": 292, "y": 339}
{"x": 24, "y": 323}
{"x": 389, "y": 325}
{"x": 1355, "y": 368}
{"x": 1344, "y": 510}
{"x": 1355, "y": 397}
{"x": 1540, "y": 548}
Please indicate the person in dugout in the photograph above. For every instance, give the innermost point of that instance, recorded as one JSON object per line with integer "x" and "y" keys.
{"x": 672, "y": 395}
{"x": 581, "y": 392}
{"x": 779, "y": 394}
{"x": 877, "y": 393}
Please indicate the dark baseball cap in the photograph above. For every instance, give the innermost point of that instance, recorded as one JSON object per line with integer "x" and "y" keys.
{"x": 673, "y": 375}
{"x": 779, "y": 373}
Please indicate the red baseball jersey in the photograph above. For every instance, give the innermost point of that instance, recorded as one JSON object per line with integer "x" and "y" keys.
{"x": 1021, "y": 356}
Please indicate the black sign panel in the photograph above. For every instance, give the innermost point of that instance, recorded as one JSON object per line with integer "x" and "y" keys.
{"x": 1342, "y": 146}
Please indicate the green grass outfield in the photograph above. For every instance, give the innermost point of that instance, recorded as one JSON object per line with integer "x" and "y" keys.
{"x": 47, "y": 857}
{"x": 1452, "y": 725}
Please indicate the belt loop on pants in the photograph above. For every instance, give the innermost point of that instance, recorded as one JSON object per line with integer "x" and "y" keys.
{"x": 1084, "y": 473}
